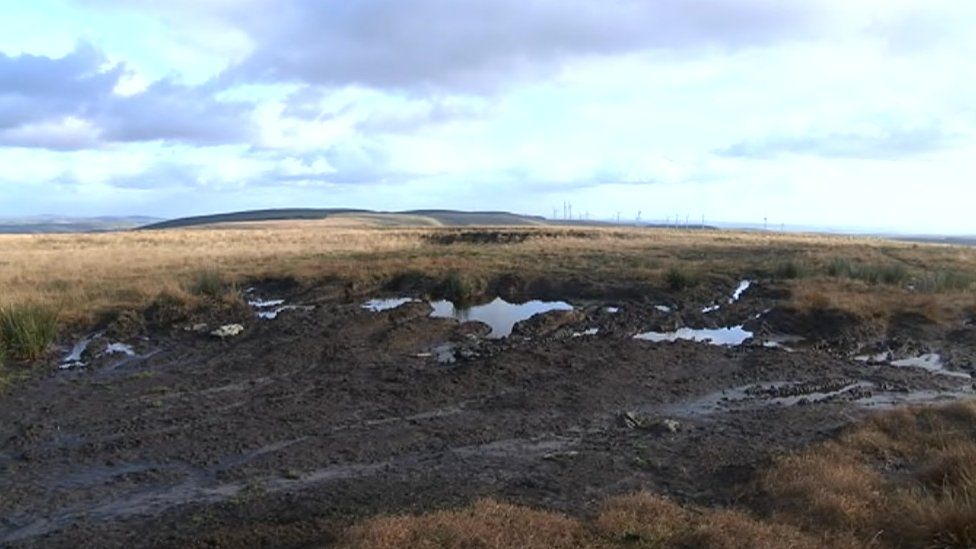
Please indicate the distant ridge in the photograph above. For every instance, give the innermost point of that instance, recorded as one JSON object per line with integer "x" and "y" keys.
{"x": 438, "y": 217}
{"x": 60, "y": 224}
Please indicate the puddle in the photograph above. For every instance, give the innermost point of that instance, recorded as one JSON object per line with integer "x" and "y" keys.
{"x": 587, "y": 332}
{"x": 894, "y": 399}
{"x": 445, "y": 354}
{"x": 378, "y": 305}
{"x": 73, "y": 360}
{"x": 262, "y": 304}
{"x": 499, "y": 314}
{"x": 931, "y": 362}
{"x": 733, "y": 336}
{"x": 119, "y": 348}
{"x": 736, "y": 295}
{"x": 881, "y": 357}
{"x": 273, "y": 314}
{"x": 741, "y": 289}
{"x": 780, "y": 341}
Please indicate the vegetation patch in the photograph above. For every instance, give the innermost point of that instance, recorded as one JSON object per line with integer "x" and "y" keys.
{"x": 906, "y": 478}
{"x": 891, "y": 274}
{"x": 26, "y": 331}
{"x": 679, "y": 279}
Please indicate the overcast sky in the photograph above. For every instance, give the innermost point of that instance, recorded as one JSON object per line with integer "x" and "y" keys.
{"x": 828, "y": 113}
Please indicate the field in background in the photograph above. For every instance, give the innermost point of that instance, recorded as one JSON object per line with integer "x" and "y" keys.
{"x": 85, "y": 274}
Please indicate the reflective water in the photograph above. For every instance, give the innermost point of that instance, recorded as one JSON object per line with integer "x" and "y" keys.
{"x": 377, "y": 305}
{"x": 73, "y": 360}
{"x": 931, "y": 362}
{"x": 273, "y": 314}
{"x": 119, "y": 348}
{"x": 743, "y": 286}
{"x": 260, "y": 303}
{"x": 733, "y": 336}
{"x": 499, "y": 314}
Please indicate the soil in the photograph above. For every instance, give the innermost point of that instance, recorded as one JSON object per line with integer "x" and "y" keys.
{"x": 288, "y": 432}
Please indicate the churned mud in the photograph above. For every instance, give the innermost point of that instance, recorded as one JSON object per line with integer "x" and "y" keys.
{"x": 328, "y": 407}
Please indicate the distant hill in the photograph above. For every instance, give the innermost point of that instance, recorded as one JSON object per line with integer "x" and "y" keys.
{"x": 55, "y": 224}
{"x": 412, "y": 217}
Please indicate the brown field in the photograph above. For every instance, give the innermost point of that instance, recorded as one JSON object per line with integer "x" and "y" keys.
{"x": 84, "y": 275}
{"x": 902, "y": 479}
{"x": 819, "y": 474}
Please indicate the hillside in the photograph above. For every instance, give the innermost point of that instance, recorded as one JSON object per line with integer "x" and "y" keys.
{"x": 413, "y": 217}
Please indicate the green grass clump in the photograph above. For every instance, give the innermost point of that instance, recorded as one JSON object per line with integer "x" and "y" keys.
{"x": 944, "y": 281}
{"x": 456, "y": 289}
{"x": 789, "y": 270}
{"x": 210, "y": 283}
{"x": 891, "y": 274}
{"x": 677, "y": 279}
{"x": 26, "y": 331}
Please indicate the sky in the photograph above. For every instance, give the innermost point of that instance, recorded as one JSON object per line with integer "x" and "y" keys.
{"x": 825, "y": 113}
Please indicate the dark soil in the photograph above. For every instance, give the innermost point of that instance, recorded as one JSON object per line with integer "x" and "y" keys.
{"x": 302, "y": 424}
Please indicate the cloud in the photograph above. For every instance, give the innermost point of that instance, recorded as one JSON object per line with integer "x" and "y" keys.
{"x": 893, "y": 143}
{"x": 70, "y": 103}
{"x": 477, "y": 46}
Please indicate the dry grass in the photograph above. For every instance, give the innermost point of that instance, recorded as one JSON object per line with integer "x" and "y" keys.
{"x": 82, "y": 275}
{"x": 486, "y": 524}
{"x": 902, "y": 479}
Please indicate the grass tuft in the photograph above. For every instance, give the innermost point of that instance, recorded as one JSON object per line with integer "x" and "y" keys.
{"x": 789, "y": 270}
{"x": 678, "y": 279}
{"x": 891, "y": 274}
{"x": 456, "y": 289}
{"x": 27, "y": 330}
{"x": 209, "y": 283}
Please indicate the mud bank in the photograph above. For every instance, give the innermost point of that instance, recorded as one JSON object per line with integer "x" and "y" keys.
{"x": 162, "y": 434}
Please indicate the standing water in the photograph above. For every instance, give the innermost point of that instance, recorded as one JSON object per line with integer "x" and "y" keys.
{"x": 499, "y": 314}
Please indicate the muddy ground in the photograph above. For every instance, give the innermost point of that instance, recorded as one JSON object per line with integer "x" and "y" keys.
{"x": 330, "y": 412}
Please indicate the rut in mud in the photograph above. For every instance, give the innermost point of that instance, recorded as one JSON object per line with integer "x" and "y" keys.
{"x": 331, "y": 409}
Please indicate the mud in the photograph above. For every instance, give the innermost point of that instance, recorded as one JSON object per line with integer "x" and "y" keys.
{"x": 332, "y": 411}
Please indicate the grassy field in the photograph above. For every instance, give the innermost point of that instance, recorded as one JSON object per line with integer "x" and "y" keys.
{"x": 902, "y": 479}
{"x": 82, "y": 276}
{"x": 905, "y": 479}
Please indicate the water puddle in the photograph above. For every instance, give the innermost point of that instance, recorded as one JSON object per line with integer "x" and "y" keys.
{"x": 379, "y": 305}
{"x": 119, "y": 349}
{"x": 877, "y": 358}
{"x": 931, "y": 362}
{"x": 445, "y": 354}
{"x": 729, "y": 337}
{"x": 741, "y": 289}
{"x": 499, "y": 314}
{"x": 273, "y": 314}
{"x": 263, "y": 304}
{"x": 736, "y": 295}
{"x": 269, "y": 309}
{"x": 782, "y": 341}
{"x": 73, "y": 360}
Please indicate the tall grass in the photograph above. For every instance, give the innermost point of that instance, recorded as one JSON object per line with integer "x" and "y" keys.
{"x": 26, "y": 331}
{"x": 679, "y": 279}
{"x": 841, "y": 493}
{"x": 873, "y": 273}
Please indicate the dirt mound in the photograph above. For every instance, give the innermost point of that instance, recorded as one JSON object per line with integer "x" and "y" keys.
{"x": 831, "y": 325}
